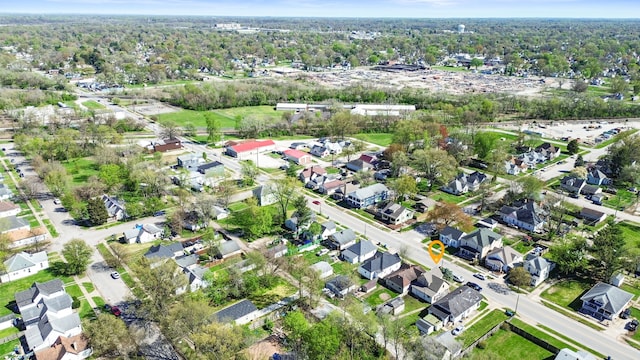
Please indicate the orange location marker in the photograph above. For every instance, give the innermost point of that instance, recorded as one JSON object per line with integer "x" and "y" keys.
{"x": 436, "y": 256}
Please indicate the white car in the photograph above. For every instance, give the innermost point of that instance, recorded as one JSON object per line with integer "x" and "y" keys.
{"x": 458, "y": 278}
{"x": 457, "y": 330}
{"x": 56, "y": 201}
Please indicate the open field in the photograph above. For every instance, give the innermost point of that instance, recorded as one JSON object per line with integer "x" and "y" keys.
{"x": 506, "y": 344}
{"x": 81, "y": 169}
{"x": 196, "y": 118}
{"x": 382, "y": 139}
{"x": 567, "y": 293}
{"x": 481, "y": 327}
{"x": 93, "y": 105}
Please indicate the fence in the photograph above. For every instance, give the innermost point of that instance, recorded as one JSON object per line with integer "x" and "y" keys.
{"x": 470, "y": 348}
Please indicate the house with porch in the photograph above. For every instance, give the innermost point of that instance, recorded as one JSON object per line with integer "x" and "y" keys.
{"x": 539, "y": 268}
{"x": 605, "y": 301}
{"x": 528, "y": 216}
{"x": 395, "y": 214}
{"x": 451, "y": 236}
{"x": 478, "y": 243}
{"x": 343, "y": 239}
{"x": 502, "y": 259}
{"x": 361, "y": 251}
{"x": 22, "y": 265}
{"x": 367, "y": 196}
{"x": 597, "y": 177}
{"x": 400, "y": 280}
{"x": 430, "y": 286}
{"x": 298, "y": 157}
{"x": 380, "y": 265}
{"x": 456, "y": 306}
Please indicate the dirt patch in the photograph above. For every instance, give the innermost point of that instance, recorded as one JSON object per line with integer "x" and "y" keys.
{"x": 384, "y": 296}
{"x": 152, "y": 109}
{"x": 263, "y": 349}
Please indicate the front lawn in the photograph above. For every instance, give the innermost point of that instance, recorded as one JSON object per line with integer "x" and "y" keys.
{"x": 623, "y": 199}
{"x": 382, "y": 139}
{"x": 92, "y": 105}
{"x": 506, "y": 344}
{"x": 481, "y": 327}
{"x": 379, "y": 296}
{"x": 73, "y": 291}
{"x": 8, "y": 290}
{"x": 440, "y": 195}
{"x": 7, "y": 348}
{"x": 196, "y": 118}
{"x": 631, "y": 234}
{"x": 567, "y": 293}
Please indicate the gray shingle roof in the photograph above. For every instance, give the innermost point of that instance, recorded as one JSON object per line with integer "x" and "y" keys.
{"x": 456, "y": 302}
{"x": 186, "y": 261}
{"x": 228, "y": 247}
{"x": 452, "y": 233}
{"x": 361, "y": 247}
{"x": 369, "y": 191}
{"x": 235, "y": 311}
{"x": 27, "y": 297}
{"x": 163, "y": 251}
{"x": 612, "y": 298}
{"x": 344, "y": 237}
{"x": 23, "y": 260}
{"x": 10, "y": 223}
{"x": 483, "y": 237}
{"x": 381, "y": 261}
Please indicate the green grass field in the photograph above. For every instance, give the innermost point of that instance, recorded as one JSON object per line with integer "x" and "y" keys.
{"x": 225, "y": 117}
{"x": 506, "y": 344}
{"x": 481, "y": 327}
{"x": 631, "y": 234}
{"x": 382, "y": 139}
{"x": 624, "y": 198}
{"x": 81, "y": 169}
{"x": 74, "y": 290}
{"x": 374, "y": 299}
{"x": 93, "y": 105}
{"x": 567, "y": 293}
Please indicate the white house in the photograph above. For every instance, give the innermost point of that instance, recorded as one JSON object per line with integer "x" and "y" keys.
{"x": 359, "y": 252}
{"x": 380, "y": 265}
{"x": 451, "y": 236}
{"x": 8, "y": 208}
{"x": 395, "y": 214}
{"x": 143, "y": 234}
{"x": 24, "y": 264}
{"x": 66, "y": 348}
{"x": 115, "y": 208}
{"x": 323, "y": 268}
{"x": 539, "y": 268}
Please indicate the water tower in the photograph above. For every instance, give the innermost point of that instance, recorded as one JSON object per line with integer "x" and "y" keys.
{"x": 460, "y": 29}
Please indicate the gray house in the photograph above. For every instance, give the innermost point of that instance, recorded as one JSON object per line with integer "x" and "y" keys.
{"x": 604, "y": 301}
{"x": 456, "y": 305}
{"x": 241, "y": 313}
{"x": 367, "y": 196}
{"x": 597, "y": 177}
{"x": 343, "y": 239}
{"x": 341, "y": 285}
{"x": 190, "y": 162}
{"x": 212, "y": 169}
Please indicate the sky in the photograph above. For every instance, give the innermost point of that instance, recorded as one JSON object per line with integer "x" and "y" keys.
{"x": 337, "y": 8}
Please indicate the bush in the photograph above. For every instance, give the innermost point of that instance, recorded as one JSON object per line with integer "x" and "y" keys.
{"x": 75, "y": 303}
{"x": 482, "y": 344}
{"x": 268, "y": 325}
{"x": 505, "y": 326}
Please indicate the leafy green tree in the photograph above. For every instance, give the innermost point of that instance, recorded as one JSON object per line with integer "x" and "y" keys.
{"x": 530, "y": 187}
{"x": 476, "y": 63}
{"x": 97, "y": 212}
{"x": 579, "y": 161}
{"x": 109, "y": 337}
{"x": 573, "y": 147}
{"x": 520, "y": 277}
{"x": 404, "y": 186}
{"x": 295, "y": 325}
{"x": 284, "y": 192}
{"x": 111, "y": 175}
{"x": 435, "y": 165}
{"x": 57, "y": 181}
{"x": 254, "y": 220}
{"x": 569, "y": 255}
{"x": 160, "y": 283}
{"x": 185, "y": 318}
{"x": 302, "y": 209}
{"x": 249, "y": 172}
{"x": 323, "y": 340}
{"x": 217, "y": 341}
{"x": 619, "y": 85}
{"x": 77, "y": 255}
{"x": 607, "y": 249}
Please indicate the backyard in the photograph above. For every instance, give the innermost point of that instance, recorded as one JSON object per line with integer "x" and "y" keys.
{"x": 8, "y": 290}
{"x": 481, "y": 327}
{"x": 506, "y": 344}
{"x": 567, "y": 293}
{"x": 382, "y": 139}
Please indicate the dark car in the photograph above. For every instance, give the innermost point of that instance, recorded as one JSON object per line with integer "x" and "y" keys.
{"x": 474, "y": 286}
{"x": 574, "y": 195}
{"x": 633, "y": 325}
{"x": 625, "y": 314}
{"x": 116, "y": 311}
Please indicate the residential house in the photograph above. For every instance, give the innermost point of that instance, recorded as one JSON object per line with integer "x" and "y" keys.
{"x": 590, "y": 190}
{"x": 395, "y": 214}
{"x": 597, "y": 177}
{"x": 166, "y": 145}
{"x": 539, "y": 268}
{"x": 195, "y": 279}
{"x": 115, "y": 207}
{"x": 358, "y": 165}
{"x": 25, "y": 236}
{"x": 23, "y": 264}
{"x": 187, "y": 261}
{"x": 323, "y": 268}
{"x": 359, "y": 252}
{"x": 531, "y": 159}
{"x": 423, "y": 205}
{"x": 46, "y": 313}
{"x": 327, "y": 229}
{"x": 240, "y": 313}
{"x": 464, "y": 183}
{"x": 320, "y": 151}
{"x": 297, "y": 156}
{"x": 8, "y": 208}
{"x": 5, "y": 192}
{"x": 247, "y": 149}
{"x": 430, "y": 286}
{"x": 298, "y": 145}
{"x": 277, "y": 251}
{"x": 7, "y": 321}
{"x": 219, "y": 213}
{"x": 159, "y": 252}
{"x": 190, "y": 161}
{"x": 293, "y": 224}
{"x": 528, "y": 216}
{"x": 572, "y": 184}
{"x": 597, "y": 199}
{"x": 343, "y": 239}
{"x": 394, "y": 306}
{"x": 451, "y": 236}
{"x": 502, "y": 259}
{"x": 341, "y": 285}
{"x": 229, "y": 248}
{"x": 265, "y": 195}
{"x": 617, "y": 279}
{"x": 604, "y": 301}
{"x": 330, "y": 187}
{"x": 12, "y": 224}
{"x": 367, "y": 196}
{"x": 380, "y": 265}
{"x": 66, "y": 348}
{"x": 592, "y": 216}
{"x": 488, "y": 223}
{"x": 456, "y": 306}
{"x": 143, "y": 234}
{"x": 401, "y": 279}
{"x": 213, "y": 169}
{"x": 548, "y": 150}
{"x": 568, "y": 354}
{"x": 515, "y": 166}
{"x": 478, "y": 243}
{"x": 335, "y": 148}
{"x": 311, "y": 173}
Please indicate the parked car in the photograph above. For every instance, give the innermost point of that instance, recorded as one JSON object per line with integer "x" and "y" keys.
{"x": 116, "y": 311}
{"x": 574, "y": 196}
{"x": 479, "y": 276}
{"x": 474, "y": 286}
{"x": 322, "y": 252}
{"x": 56, "y": 201}
{"x": 633, "y": 325}
{"x": 625, "y": 314}
{"x": 458, "y": 278}
{"x": 457, "y": 330}
{"x": 115, "y": 275}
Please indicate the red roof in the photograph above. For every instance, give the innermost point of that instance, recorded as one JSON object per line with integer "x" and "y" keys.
{"x": 297, "y": 154}
{"x": 252, "y": 145}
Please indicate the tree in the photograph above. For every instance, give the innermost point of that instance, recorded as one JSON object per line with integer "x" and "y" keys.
{"x": 217, "y": 341}
{"x": 579, "y": 161}
{"x": 77, "y": 255}
{"x": 160, "y": 284}
{"x": 170, "y": 130}
{"x": 295, "y": 325}
{"x": 569, "y": 255}
{"x": 283, "y": 191}
{"x": 322, "y": 340}
{"x": 427, "y": 348}
{"x": 520, "y": 277}
{"x": 249, "y": 172}
{"x": 530, "y": 187}
{"x": 341, "y": 124}
{"x": 403, "y": 186}
{"x": 109, "y": 337}
{"x": 31, "y": 186}
{"x": 579, "y": 86}
{"x": 185, "y": 318}
{"x": 573, "y": 147}
{"x": 446, "y": 214}
{"x": 303, "y": 213}
{"x": 254, "y": 220}
{"x": 111, "y": 175}
{"x": 97, "y": 212}
{"x": 213, "y": 128}
{"x": 619, "y": 85}
{"x": 476, "y": 62}
{"x": 607, "y": 249}
{"x": 434, "y": 164}
{"x": 57, "y": 181}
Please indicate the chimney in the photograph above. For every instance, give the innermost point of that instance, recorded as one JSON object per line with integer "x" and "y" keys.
{"x": 74, "y": 345}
